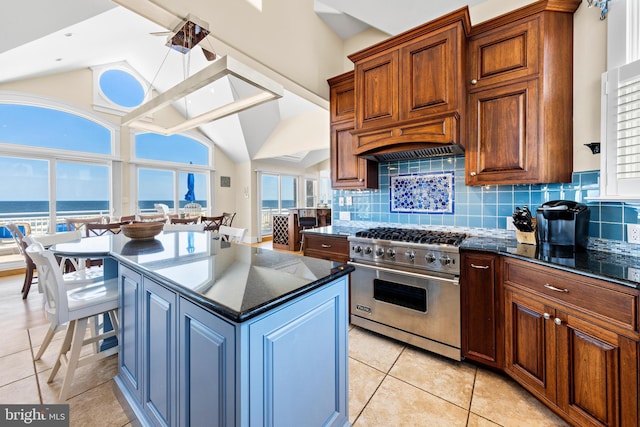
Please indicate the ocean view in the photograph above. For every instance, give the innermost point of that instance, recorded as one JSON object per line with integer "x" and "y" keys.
{"x": 28, "y": 208}
{"x": 41, "y": 207}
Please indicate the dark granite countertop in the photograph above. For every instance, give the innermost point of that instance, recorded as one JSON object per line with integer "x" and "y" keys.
{"x": 333, "y": 230}
{"x": 608, "y": 266}
{"x": 617, "y": 268}
{"x": 236, "y": 281}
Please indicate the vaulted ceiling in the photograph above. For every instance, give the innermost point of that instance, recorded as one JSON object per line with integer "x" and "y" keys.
{"x": 40, "y": 37}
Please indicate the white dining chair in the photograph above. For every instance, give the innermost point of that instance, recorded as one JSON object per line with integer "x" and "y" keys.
{"x": 232, "y": 234}
{"x": 74, "y": 306}
{"x": 81, "y": 274}
{"x": 184, "y": 227}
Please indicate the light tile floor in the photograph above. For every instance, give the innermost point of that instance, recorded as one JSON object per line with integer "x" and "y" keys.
{"x": 390, "y": 384}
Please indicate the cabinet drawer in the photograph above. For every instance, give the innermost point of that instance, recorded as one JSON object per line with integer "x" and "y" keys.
{"x": 606, "y": 301}
{"x": 325, "y": 247}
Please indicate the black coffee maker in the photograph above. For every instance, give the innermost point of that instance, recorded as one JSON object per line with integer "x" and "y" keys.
{"x": 563, "y": 225}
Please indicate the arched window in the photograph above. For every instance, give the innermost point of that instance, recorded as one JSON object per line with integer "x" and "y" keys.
{"x": 55, "y": 161}
{"x": 36, "y": 126}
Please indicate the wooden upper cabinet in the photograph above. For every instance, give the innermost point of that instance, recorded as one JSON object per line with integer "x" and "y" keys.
{"x": 504, "y": 145}
{"x": 415, "y": 78}
{"x": 504, "y": 54}
{"x": 348, "y": 171}
{"x": 429, "y": 75}
{"x": 520, "y": 97}
{"x": 342, "y": 100}
{"x": 377, "y": 91}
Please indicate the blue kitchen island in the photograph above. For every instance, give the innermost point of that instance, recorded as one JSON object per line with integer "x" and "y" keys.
{"x": 220, "y": 334}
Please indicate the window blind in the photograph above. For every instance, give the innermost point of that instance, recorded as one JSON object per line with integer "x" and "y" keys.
{"x": 628, "y": 129}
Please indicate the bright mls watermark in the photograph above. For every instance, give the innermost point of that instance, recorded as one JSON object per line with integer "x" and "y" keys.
{"x": 35, "y": 415}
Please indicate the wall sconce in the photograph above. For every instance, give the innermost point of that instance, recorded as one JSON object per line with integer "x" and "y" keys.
{"x": 602, "y": 4}
{"x": 594, "y": 147}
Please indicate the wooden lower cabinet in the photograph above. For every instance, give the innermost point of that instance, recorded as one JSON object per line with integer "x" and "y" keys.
{"x": 326, "y": 247}
{"x": 481, "y": 299}
{"x": 578, "y": 365}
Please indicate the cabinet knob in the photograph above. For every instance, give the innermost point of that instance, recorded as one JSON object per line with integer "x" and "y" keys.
{"x": 557, "y": 321}
{"x": 361, "y": 180}
{"x": 547, "y": 316}
{"x": 472, "y": 173}
{"x": 324, "y": 245}
{"x": 474, "y": 81}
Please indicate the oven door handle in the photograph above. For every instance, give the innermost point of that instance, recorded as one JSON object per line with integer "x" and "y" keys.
{"x": 404, "y": 273}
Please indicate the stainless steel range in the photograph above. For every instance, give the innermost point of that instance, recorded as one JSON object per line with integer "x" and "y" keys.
{"x": 406, "y": 286}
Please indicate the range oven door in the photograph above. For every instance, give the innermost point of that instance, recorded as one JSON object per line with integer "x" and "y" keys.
{"x": 404, "y": 304}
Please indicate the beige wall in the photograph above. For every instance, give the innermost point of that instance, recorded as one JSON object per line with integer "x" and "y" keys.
{"x": 225, "y": 197}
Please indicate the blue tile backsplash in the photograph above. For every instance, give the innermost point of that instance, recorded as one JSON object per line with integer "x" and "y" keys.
{"x": 488, "y": 207}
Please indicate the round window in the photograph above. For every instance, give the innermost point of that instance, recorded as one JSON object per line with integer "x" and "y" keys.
{"x": 121, "y": 88}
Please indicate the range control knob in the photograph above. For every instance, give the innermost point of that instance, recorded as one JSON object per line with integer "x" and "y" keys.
{"x": 357, "y": 249}
{"x": 429, "y": 258}
{"x": 391, "y": 253}
{"x": 379, "y": 252}
{"x": 368, "y": 250}
{"x": 410, "y": 255}
{"x": 445, "y": 260}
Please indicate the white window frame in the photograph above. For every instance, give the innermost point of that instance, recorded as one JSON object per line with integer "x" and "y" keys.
{"x": 177, "y": 168}
{"x": 623, "y": 62}
{"x": 54, "y": 155}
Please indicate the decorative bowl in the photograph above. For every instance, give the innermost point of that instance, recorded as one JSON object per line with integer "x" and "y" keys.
{"x": 142, "y": 230}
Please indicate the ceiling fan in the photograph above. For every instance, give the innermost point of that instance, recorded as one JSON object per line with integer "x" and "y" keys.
{"x": 187, "y": 35}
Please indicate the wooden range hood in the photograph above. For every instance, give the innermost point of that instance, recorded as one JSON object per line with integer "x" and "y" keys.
{"x": 410, "y": 96}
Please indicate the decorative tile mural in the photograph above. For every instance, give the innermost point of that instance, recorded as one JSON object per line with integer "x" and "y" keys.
{"x": 431, "y": 193}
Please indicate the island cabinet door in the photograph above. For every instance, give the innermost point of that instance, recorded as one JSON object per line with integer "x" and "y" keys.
{"x": 206, "y": 368}
{"x": 159, "y": 353}
{"x": 130, "y": 350}
{"x": 298, "y": 362}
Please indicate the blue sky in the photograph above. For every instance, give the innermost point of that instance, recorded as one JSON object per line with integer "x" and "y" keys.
{"x": 27, "y": 179}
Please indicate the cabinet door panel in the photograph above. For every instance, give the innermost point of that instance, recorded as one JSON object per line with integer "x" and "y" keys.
{"x": 480, "y": 295}
{"x": 530, "y": 350}
{"x": 348, "y": 170}
{"x": 283, "y": 385}
{"x": 159, "y": 353}
{"x": 589, "y": 372}
{"x": 342, "y": 101}
{"x": 429, "y": 72}
{"x": 377, "y": 90}
{"x": 130, "y": 351}
{"x": 505, "y": 54}
{"x": 206, "y": 368}
{"x": 503, "y": 137}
